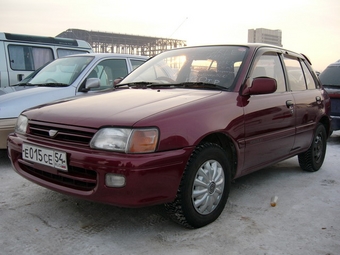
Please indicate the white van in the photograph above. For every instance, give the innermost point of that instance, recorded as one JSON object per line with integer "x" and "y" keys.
{"x": 20, "y": 54}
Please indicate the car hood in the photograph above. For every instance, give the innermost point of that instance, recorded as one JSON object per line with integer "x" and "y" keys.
{"x": 119, "y": 108}
{"x": 12, "y": 104}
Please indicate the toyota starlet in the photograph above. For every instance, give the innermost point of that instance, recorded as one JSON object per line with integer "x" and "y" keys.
{"x": 178, "y": 130}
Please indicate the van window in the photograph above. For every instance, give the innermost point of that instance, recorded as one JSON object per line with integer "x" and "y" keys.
{"x": 66, "y": 52}
{"x": 28, "y": 58}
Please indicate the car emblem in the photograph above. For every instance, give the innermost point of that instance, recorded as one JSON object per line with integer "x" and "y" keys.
{"x": 52, "y": 133}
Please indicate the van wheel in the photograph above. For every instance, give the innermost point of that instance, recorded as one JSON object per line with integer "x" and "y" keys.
{"x": 313, "y": 158}
{"x": 204, "y": 188}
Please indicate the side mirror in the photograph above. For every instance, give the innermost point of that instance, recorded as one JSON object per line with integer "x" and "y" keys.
{"x": 91, "y": 83}
{"x": 260, "y": 86}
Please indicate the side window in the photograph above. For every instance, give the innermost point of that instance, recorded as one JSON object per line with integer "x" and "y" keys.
{"x": 20, "y": 58}
{"x": 41, "y": 56}
{"x": 28, "y": 58}
{"x": 109, "y": 70}
{"x": 66, "y": 52}
{"x": 308, "y": 77}
{"x": 136, "y": 63}
{"x": 269, "y": 65}
{"x": 295, "y": 74}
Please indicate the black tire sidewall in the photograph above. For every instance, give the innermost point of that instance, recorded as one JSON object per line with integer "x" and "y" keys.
{"x": 306, "y": 160}
{"x": 208, "y": 152}
{"x": 319, "y": 131}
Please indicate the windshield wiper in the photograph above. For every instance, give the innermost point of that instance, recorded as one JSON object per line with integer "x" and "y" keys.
{"x": 23, "y": 84}
{"x": 201, "y": 85}
{"x": 145, "y": 84}
{"x": 141, "y": 84}
{"x": 50, "y": 84}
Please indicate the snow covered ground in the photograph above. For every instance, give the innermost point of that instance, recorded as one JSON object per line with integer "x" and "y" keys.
{"x": 306, "y": 220}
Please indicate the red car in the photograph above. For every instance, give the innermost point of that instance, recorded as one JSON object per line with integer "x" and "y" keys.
{"x": 178, "y": 130}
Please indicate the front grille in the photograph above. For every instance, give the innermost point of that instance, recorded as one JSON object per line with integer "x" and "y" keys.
{"x": 73, "y": 134}
{"x": 75, "y": 178}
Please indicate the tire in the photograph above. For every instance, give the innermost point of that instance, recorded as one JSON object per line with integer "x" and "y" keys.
{"x": 313, "y": 158}
{"x": 204, "y": 188}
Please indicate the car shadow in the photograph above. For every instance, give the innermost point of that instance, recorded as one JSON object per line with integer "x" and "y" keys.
{"x": 334, "y": 138}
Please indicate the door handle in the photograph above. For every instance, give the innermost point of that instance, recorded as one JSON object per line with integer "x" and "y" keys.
{"x": 318, "y": 100}
{"x": 290, "y": 105}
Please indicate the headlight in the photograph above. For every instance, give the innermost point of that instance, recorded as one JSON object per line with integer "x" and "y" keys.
{"x": 126, "y": 140}
{"x": 21, "y": 125}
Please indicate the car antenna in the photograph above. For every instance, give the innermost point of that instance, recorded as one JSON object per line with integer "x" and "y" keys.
{"x": 179, "y": 26}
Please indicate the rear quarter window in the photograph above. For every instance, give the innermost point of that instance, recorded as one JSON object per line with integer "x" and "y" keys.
{"x": 309, "y": 80}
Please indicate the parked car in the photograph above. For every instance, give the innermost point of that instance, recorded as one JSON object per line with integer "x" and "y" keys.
{"x": 64, "y": 77}
{"x": 178, "y": 130}
{"x": 23, "y": 84}
{"x": 330, "y": 78}
{"x": 22, "y": 54}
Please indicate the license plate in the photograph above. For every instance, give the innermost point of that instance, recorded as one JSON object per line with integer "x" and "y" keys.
{"x": 44, "y": 156}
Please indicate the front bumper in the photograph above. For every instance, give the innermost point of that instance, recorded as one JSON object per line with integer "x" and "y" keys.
{"x": 6, "y": 127}
{"x": 150, "y": 178}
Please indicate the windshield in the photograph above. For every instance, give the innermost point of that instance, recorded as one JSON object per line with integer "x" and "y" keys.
{"x": 62, "y": 71}
{"x": 217, "y": 65}
{"x": 331, "y": 76}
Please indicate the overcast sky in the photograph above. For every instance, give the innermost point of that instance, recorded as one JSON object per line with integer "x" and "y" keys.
{"x": 308, "y": 26}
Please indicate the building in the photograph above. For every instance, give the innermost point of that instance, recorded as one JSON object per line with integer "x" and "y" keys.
{"x": 103, "y": 42}
{"x": 263, "y": 35}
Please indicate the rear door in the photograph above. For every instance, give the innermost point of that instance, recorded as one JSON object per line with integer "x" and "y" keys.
{"x": 307, "y": 96}
{"x": 269, "y": 119}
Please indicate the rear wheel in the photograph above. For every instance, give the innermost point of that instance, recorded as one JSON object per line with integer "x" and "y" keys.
{"x": 204, "y": 188}
{"x": 313, "y": 158}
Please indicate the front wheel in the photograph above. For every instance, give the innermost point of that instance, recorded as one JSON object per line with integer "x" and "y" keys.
{"x": 204, "y": 188}
{"x": 313, "y": 158}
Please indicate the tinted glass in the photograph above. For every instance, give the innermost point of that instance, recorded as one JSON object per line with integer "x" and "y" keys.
{"x": 331, "y": 75}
